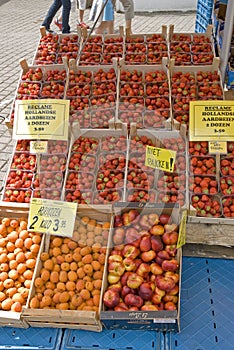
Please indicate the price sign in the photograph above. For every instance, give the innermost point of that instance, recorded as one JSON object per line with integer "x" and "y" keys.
{"x": 47, "y": 118}
{"x": 211, "y": 120}
{"x": 182, "y": 230}
{"x": 52, "y": 217}
{"x": 217, "y": 147}
{"x": 160, "y": 158}
{"x": 38, "y": 147}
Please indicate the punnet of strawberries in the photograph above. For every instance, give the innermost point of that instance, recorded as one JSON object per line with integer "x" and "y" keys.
{"x": 206, "y": 205}
{"x": 228, "y": 206}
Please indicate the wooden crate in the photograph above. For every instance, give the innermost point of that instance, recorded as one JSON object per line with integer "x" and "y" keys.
{"x": 160, "y": 320}
{"x": 73, "y": 319}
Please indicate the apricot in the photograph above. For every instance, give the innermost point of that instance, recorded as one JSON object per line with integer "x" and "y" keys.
{"x": 12, "y": 237}
{"x": 64, "y": 297}
{"x": 34, "y": 303}
{"x": 72, "y": 245}
{"x": 27, "y": 283}
{"x": 44, "y": 256}
{"x": 54, "y": 277}
{"x": 56, "y": 251}
{"x": 35, "y": 248}
{"x": 6, "y": 304}
{"x": 96, "y": 299}
{"x": 85, "y": 220}
{"x": 19, "y": 243}
{"x": 62, "y": 306}
{"x": 72, "y": 276}
{"x": 57, "y": 241}
{"x": 1, "y": 286}
{"x": 49, "y": 292}
{"x": 87, "y": 259}
{"x": 56, "y": 297}
{"x": 3, "y": 258}
{"x": 85, "y": 294}
{"x": 2, "y": 296}
{"x": 85, "y": 251}
{"x": 96, "y": 265}
{"x": 70, "y": 285}
{"x": 16, "y": 307}
{"x": 77, "y": 256}
{"x": 28, "y": 274}
{"x": 61, "y": 286}
{"x": 97, "y": 275}
{"x": 3, "y": 275}
{"x": 97, "y": 284}
{"x": 65, "y": 266}
{"x": 63, "y": 276}
{"x": 14, "y": 223}
{"x": 8, "y": 283}
{"x": 80, "y": 284}
{"x": 65, "y": 249}
{"x": 89, "y": 285}
{"x": 96, "y": 247}
{"x": 10, "y": 246}
{"x": 6, "y": 221}
{"x": 73, "y": 266}
{"x": 18, "y": 297}
{"x": 36, "y": 239}
{"x": 23, "y": 234}
{"x": 39, "y": 282}
{"x": 69, "y": 257}
{"x": 50, "y": 285}
{"x": 49, "y": 265}
{"x": 80, "y": 272}
{"x": 2, "y": 242}
{"x": 46, "y": 300}
{"x": 13, "y": 274}
{"x": 29, "y": 255}
{"x": 21, "y": 268}
{"x": 76, "y": 300}
{"x": 21, "y": 279}
{"x": 30, "y": 263}
{"x": 20, "y": 257}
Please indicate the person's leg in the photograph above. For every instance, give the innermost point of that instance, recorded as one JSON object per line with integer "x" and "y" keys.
{"x": 81, "y": 15}
{"x": 66, "y": 15}
{"x": 128, "y": 6}
{"x": 51, "y": 13}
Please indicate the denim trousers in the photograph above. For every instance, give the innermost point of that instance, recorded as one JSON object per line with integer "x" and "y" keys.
{"x": 66, "y": 4}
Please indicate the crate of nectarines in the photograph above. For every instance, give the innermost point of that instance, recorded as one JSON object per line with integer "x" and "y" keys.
{"x": 67, "y": 287}
{"x": 18, "y": 255}
{"x": 142, "y": 278}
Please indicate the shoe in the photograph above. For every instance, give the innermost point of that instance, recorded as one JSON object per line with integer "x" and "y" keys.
{"x": 83, "y": 25}
{"x": 50, "y": 31}
{"x": 58, "y": 24}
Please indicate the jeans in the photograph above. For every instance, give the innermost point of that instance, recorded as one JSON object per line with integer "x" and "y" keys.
{"x": 65, "y": 14}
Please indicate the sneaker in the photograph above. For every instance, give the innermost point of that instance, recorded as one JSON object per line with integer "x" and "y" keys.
{"x": 58, "y": 24}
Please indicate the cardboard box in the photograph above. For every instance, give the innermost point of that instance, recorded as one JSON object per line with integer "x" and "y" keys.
{"x": 158, "y": 320}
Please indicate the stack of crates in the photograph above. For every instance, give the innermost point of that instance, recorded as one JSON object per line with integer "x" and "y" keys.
{"x": 204, "y": 15}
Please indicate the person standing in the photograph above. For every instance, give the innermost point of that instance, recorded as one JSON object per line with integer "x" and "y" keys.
{"x": 66, "y": 9}
{"x": 106, "y": 20}
{"x": 80, "y": 22}
{"x": 128, "y": 6}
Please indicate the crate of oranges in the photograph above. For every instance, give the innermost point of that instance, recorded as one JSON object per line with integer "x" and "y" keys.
{"x": 69, "y": 273}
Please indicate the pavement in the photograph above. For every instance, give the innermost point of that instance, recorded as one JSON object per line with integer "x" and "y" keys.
{"x": 19, "y": 28}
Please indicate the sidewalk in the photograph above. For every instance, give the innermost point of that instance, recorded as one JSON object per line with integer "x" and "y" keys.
{"x": 20, "y": 23}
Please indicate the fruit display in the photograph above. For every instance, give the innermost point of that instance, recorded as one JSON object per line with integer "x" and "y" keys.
{"x": 18, "y": 254}
{"x": 143, "y": 267}
{"x": 69, "y": 276}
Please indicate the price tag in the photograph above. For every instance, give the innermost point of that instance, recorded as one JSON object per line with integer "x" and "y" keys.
{"x": 160, "y": 158}
{"x": 217, "y": 147}
{"x": 47, "y": 118}
{"x": 211, "y": 120}
{"x": 182, "y": 231}
{"x": 52, "y": 217}
{"x": 38, "y": 147}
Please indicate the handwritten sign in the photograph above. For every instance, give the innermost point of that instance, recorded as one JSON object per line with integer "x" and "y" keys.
{"x": 52, "y": 217}
{"x": 160, "y": 158}
{"x": 38, "y": 147}
{"x": 47, "y": 119}
{"x": 217, "y": 147}
{"x": 211, "y": 120}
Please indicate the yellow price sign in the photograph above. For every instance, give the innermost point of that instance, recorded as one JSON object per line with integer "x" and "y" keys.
{"x": 211, "y": 120}
{"x": 182, "y": 231}
{"x": 44, "y": 119}
{"x": 160, "y": 158}
{"x": 52, "y": 217}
